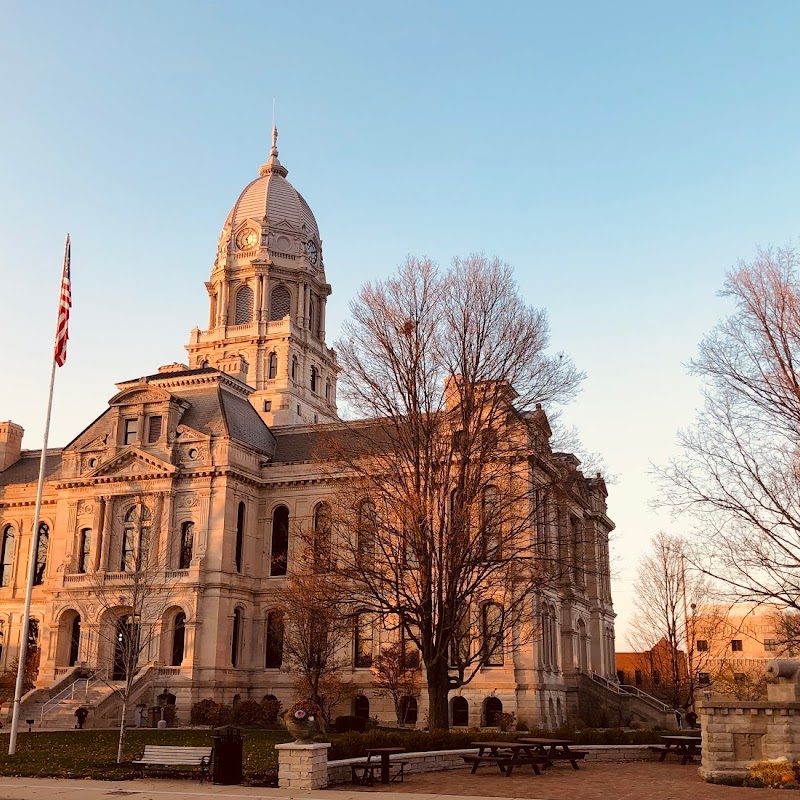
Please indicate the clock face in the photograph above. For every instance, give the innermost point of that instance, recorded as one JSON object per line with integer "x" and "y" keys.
{"x": 248, "y": 239}
{"x": 311, "y": 248}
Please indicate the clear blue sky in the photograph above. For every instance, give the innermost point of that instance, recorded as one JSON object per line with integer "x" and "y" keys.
{"x": 621, "y": 156}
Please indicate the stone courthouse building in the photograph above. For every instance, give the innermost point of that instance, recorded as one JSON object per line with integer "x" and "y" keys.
{"x": 218, "y": 457}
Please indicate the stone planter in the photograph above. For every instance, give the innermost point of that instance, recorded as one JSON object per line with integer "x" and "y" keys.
{"x": 303, "y": 730}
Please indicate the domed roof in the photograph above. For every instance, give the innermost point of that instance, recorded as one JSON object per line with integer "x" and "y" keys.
{"x": 272, "y": 199}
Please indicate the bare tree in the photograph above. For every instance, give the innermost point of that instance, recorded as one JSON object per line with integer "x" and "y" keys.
{"x": 133, "y": 602}
{"x": 740, "y": 462}
{"x": 396, "y": 674}
{"x": 672, "y": 612}
{"x": 448, "y": 481}
{"x": 316, "y": 631}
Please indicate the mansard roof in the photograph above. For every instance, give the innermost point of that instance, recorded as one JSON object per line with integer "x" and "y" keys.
{"x": 26, "y": 470}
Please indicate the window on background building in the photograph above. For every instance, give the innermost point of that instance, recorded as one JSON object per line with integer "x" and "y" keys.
{"x": 637, "y": 677}
{"x": 492, "y": 635}
{"x": 154, "y": 425}
{"x": 740, "y": 677}
{"x": 236, "y": 636}
{"x": 279, "y": 557}
{"x": 178, "y": 639}
{"x": 84, "y": 546}
{"x": 366, "y": 532}
{"x": 238, "y": 554}
{"x": 268, "y": 405}
{"x": 314, "y": 379}
{"x": 42, "y": 543}
{"x": 362, "y": 636}
{"x": 7, "y": 555}
{"x": 312, "y": 317}
{"x": 770, "y": 644}
{"x": 187, "y": 545}
{"x": 656, "y": 678}
{"x": 702, "y": 645}
{"x": 491, "y": 523}
{"x": 704, "y": 677}
{"x": 294, "y": 370}
{"x": 280, "y": 303}
{"x": 327, "y": 390}
{"x": 244, "y": 306}
{"x": 408, "y": 710}
{"x": 322, "y": 537}
{"x": 272, "y": 366}
{"x": 736, "y": 645}
{"x": 361, "y": 707}
{"x": 273, "y": 653}
{"x": 130, "y": 429}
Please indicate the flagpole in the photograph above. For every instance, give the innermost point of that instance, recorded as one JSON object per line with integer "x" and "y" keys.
{"x": 23, "y": 641}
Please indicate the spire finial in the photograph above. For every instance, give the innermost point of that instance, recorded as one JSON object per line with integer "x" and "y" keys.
{"x": 274, "y": 150}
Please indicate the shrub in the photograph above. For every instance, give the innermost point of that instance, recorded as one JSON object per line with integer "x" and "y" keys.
{"x": 169, "y": 713}
{"x": 209, "y": 712}
{"x": 345, "y": 724}
{"x": 775, "y": 773}
{"x": 248, "y": 712}
{"x": 270, "y": 709}
{"x": 506, "y": 721}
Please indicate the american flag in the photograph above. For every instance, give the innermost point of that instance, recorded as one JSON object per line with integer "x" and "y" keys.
{"x": 64, "y": 303}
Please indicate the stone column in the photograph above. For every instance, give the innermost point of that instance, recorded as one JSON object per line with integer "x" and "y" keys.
{"x": 302, "y": 766}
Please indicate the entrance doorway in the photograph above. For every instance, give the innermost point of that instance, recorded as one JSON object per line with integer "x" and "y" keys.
{"x": 124, "y": 648}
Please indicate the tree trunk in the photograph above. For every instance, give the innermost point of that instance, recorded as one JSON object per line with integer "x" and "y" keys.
{"x": 438, "y": 690}
{"x": 122, "y": 729}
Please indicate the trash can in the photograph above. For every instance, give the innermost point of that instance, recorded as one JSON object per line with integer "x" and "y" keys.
{"x": 228, "y": 756}
{"x": 153, "y": 716}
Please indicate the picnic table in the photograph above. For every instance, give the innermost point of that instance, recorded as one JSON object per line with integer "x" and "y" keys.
{"x": 687, "y": 747}
{"x": 506, "y": 756}
{"x": 555, "y": 750}
{"x": 385, "y": 753}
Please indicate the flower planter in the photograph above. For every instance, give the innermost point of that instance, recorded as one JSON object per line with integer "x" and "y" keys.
{"x": 303, "y": 730}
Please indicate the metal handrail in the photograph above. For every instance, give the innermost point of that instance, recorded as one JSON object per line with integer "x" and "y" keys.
{"x": 62, "y": 695}
{"x": 618, "y": 688}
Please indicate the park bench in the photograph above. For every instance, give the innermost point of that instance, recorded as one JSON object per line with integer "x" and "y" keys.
{"x": 664, "y": 751}
{"x": 573, "y": 756}
{"x": 368, "y": 772}
{"x": 168, "y": 757}
{"x": 506, "y": 761}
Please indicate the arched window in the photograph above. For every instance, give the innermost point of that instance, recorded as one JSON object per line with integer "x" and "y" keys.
{"x": 554, "y": 637}
{"x": 312, "y": 317}
{"x": 186, "y": 545}
{"x": 583, "y": 647}
{"x": 272, "y": 366}
{"x": 492, "y": 634}
{"x": 239, "y": 551}
{"x": 244, "y": 306}
{"x": 236, "y": 637}
{"x": 84, "y": 547}
{"x": 136, "y": 521}
{"x": 362, "y": 640}
{"x": 314, "y": 379}
{"x": 490, "y": 523}
{"x": 361, "y": 707}
{"x": 492, "y": 709}
{"x": 366, "y": 531}
{"x": 178, "y": 639}
{"x": 279, "y": 559}
{"x": 327, "y": 390}
{"x": 294, "y": 368}
{"x": 273, "y": 652}
{"x": 7, "y": 555}
{"x": 42, "y": 542}
{"x": 408, "y": 710}
{"x": 280, "y": 303}
{"x": 74, "y": 641}
{"x": 322, "y": 537}
{"x": 460, "y": 712}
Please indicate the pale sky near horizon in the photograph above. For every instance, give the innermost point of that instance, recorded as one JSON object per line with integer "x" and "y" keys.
{"x": 621, "y": 156}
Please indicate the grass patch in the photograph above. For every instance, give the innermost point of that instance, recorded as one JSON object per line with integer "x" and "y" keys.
{"x": 92, "y": 754}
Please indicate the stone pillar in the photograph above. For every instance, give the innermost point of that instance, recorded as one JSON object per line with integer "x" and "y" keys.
{"x": 302, "y": 766}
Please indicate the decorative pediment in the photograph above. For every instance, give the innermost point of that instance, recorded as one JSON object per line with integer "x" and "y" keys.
{"x": 133, "y": 463}
{"x": 141, "y": 393}
{"x": 98, "y": 443}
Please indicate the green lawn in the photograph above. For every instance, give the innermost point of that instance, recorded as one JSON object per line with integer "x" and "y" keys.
{"x": 92, "y": 754}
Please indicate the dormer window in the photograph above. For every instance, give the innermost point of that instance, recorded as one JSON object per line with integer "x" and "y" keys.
{"x": 130, "y": 430}
{"x": 154, "y": 425}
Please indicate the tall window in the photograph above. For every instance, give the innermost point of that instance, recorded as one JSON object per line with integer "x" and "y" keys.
{"x": 294, "y": 368}
{"x": 542, "y": 501}
{"x": 367, "y": 530}
{"x": 362, "y": 656}
{"x": 314, "y": 379}
{"x": 272, "y": 366}
{"x": 130, "y": 431}
{"x": 459, "y": 644}
{"x": 187, "y": 545}
{"x": 322, "y": 537}
{"x": 7, "y": 555}
{"x": 178, "y": 639}
{"x": 74, "y": 641}
{"x": 239, "y": 551}
{"x": 280, "y": 303}
{"x": 154, "y": 426}
{"x": 327, "y": 390}
{"x": 491, "y": 523}
{"x": 244, "y": 306}
{"x": 236, "y": 637}
{"x": 492, "y": 635}
{"x": 84, "y": 546}
{"x": 280, "y": 541}
{"x": 135, "y": 538}
{"x": 273, "y": 652}
{"x": 313, "y": 321}
{"x": 42, "y": 542}
{"x": 577, "y": 552}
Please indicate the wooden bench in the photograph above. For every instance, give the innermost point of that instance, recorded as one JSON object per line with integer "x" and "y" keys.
{"x": 573, "y": 756}
{"x": 665, "y": 751}
{"x": 502, "y": 761}
{"x": 369, "y": 772}
{"x": 167, "y": 757}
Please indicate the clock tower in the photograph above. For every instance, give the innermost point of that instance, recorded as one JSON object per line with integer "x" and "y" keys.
{"x": 267, "y": 296}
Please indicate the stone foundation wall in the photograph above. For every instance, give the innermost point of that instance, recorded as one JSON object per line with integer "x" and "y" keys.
{"x": 737, "y": 734}
{"x": 435, "y": 760}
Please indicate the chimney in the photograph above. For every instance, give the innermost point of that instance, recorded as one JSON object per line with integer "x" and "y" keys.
{"x": 10, "y": 443}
